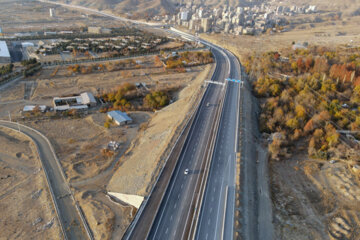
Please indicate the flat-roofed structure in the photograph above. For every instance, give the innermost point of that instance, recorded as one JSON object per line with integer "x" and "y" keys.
{"x": 120, "y": 118}
{"x": 88, "y": 99}
{"x": 30, "y": 108}
{"x": 79, "y": 102}
{"x": 4, "y": 53}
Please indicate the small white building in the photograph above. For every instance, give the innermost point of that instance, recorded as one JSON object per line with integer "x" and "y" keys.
{"x": 4, "y": 53}
{"x": 27, "y": 44}
{"x": 120, "y": 118}
{"x": 88, "y": 99}
{"x": 30, "y": 108}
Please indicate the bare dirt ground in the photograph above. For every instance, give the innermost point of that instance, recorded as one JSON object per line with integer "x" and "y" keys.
{"x": 314, "y": 199}
{"x": 78, "y": 142}
{"x": 325, "y": 33}
{"x": 25, "y": 16}
{"x": 136, "y": 172}
{"x": 26, "y": 207}
{"x": 170, "y": 45}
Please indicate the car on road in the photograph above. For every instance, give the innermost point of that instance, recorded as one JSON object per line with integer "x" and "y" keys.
{"x": 208, "y": 104}
{"x": 186, "y": 172}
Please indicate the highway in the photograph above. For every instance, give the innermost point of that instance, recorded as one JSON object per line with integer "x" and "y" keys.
{"x": 217, "y": 211}
{"x": 174, "y": 216}
{"x": 212, "y": 138}
{"x": 69, "y": 219}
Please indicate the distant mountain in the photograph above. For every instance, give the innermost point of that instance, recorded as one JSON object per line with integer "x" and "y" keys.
{"x": 135, "y": 8}
{"x": 143, "y": 8}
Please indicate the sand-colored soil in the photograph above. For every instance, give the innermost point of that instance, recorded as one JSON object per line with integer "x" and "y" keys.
{"x": 315, "y": 199}
{"x": 27, "y": 211}
{"x": 142, "y": 161}
{"x": 325, "y": 33}
{"x": 78, "y": 142}
{"x": 99, "y": 216}
{"x": 24, "y": 16}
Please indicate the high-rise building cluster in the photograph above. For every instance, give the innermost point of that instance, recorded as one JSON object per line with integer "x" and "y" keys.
{"x": 236, "y": 20}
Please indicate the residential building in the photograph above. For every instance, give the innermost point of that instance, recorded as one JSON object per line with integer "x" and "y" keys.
{"x": 52, "y": 12}
{"x": 206, "y": 24}
{"x": 185, "y": 15}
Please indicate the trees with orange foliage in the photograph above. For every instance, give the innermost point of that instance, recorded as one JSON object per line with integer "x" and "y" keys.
{"x": 300, "y": 64}
{"x": 309, "y": 126}
{"x": 157, "y": 61}
{"x": 309, "y": 63}
{"x": 321, "y": 65}
{"x": 356, "y": 81}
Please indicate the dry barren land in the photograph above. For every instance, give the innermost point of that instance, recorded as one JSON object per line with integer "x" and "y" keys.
{"x": 26, "y": 208}
{"x": 25, "y": 16}
{"x": 327, "y": 33}
{"x": 315, "y": 199}
{"x": 78, "y": 142}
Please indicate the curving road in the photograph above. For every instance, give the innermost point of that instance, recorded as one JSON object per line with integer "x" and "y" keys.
{"x": 69, "y": 218}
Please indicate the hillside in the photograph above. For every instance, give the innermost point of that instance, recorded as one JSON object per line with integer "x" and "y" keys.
{"x": 143, "y": 8}
{"x": 132, "y": 8}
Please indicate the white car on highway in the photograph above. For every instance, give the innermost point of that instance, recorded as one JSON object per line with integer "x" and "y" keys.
{"x": 186, "y": 172}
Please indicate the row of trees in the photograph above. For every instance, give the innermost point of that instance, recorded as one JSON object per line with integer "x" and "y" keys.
{"x": 108, "y": 66}
{"x": 189, "y": 59}
{"x": 6, "y": 69}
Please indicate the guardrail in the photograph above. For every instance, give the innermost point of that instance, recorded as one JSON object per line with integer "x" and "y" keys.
{"x": 195, "y": 219}
{"x": 128, "y": 233}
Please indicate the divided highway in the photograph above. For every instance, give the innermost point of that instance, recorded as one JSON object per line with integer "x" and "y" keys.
{"x": 211, "y": 139}
{"x": 174, "y": 218}
{"x": 216, "y": 219}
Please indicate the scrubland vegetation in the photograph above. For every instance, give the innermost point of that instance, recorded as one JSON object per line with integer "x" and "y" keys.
{"x": 189, "y": 59}
{"x": 308, "y": 95}
{"x": 6, "y": 69}
{"x": 121, "y": 98}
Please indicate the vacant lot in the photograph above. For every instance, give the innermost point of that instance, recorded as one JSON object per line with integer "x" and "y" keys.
{"x": 29, "y": 16}
{"x": 327, "y": 33}
{"x": 315, "y": 199}
{"x": 26, "y": 208}
{"x": 79, "y": 142}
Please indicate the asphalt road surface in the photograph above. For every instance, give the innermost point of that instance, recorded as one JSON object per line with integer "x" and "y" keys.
{"x": 177, "y": 205}
{"x": 217, "y": 211}
{"x": 68, "y": 214}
